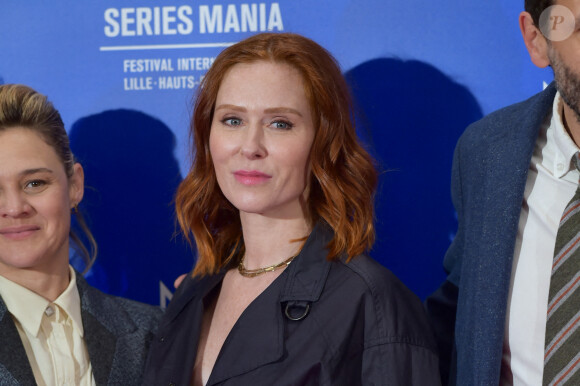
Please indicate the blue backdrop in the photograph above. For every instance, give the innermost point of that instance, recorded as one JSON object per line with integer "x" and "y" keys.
{"x": 122, "y": 73}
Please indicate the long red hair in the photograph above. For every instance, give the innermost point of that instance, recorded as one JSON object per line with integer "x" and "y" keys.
{"x": 343, "y": 179}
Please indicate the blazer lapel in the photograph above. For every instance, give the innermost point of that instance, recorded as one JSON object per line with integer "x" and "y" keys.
{"x": 490, "y": 243}
{"x": 100, "y": 339}
{"x": 114, "y": 341}
{"x": 13, "y": 359}
{"x": 101, "y": 344}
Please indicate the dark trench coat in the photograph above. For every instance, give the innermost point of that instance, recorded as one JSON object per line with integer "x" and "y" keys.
{"x": 318, "y": 323}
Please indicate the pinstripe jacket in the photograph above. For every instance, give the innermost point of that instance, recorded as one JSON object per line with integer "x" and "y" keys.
{"x": 117, "y": 333}
{"x": 489, "y": 173}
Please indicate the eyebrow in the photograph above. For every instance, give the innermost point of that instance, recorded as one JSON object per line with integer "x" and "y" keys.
{"x": 282, "y": 110}
{"x": 28, "y": 172}
{"x": 271, "y": 110}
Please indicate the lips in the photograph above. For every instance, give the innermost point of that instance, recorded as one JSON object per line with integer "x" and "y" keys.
{"x": 251, "y": 177}
{"x": 19, "y": 232}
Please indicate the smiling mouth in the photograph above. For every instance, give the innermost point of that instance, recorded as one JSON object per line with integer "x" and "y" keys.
{"x": 19, "y": 233}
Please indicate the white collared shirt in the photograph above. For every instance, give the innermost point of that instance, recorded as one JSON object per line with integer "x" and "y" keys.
{"x": 52, "y": 333}
{"x": 551, "y": 183}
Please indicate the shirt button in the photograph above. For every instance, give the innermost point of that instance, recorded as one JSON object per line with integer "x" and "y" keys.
{"x": 560, "y": 166}
{"x": 49, "y": 311}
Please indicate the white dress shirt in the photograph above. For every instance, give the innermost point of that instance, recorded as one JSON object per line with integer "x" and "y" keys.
{"x": 52, "y": 333}
{"x": 551, "y": 183}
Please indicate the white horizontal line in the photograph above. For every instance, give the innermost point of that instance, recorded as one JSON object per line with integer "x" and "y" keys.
{"x": 163, "y": 46}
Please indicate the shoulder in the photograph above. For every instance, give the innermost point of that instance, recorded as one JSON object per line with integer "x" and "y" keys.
{"x": 115, "y": 312}
{"x": 393, "y": 313}
{"x": 510, "y": 120}
{"x": 397, "y": 344}
{"x": 142, "y": 314}
{"x": 375, "y": 279}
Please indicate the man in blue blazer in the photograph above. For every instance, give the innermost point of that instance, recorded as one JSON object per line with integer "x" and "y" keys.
{"x": 512, "y": 176}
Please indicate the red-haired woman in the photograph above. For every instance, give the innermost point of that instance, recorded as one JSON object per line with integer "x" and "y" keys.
{"x": 279, "y": 200}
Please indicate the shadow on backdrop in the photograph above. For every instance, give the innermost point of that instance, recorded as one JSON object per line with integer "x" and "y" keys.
{"x": 410, "y": 115}
{"x": 131, "y": 176}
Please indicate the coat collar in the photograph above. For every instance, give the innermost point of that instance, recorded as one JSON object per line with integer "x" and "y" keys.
{"x": 296, "y": 289}
{"x": 262, "y": 323}
{"x": 307, "y": 274}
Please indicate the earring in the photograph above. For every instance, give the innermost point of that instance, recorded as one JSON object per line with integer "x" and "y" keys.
{"x": 75, "y": 209}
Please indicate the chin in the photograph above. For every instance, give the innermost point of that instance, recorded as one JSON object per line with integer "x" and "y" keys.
{"x": 251, "y": 204}
{"x": 264, "y": 206}
{"x": 22, "y": 260}
{"x": 251, "y": 209}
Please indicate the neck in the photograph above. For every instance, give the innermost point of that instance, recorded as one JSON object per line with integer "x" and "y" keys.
{"x": 269, "y": 241}
{"x": 48, "y": 284}
{"x": 571, "y": 123}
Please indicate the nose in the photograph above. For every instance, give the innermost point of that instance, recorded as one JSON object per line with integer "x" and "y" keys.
{"x": 14, "y": 205}
{"x": 253, "y": 146}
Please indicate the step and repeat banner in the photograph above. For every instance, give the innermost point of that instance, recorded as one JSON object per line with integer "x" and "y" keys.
{"x": 123, "y": 74}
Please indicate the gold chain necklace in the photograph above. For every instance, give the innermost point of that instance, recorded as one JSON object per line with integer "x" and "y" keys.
{"x": 271, "y": 268}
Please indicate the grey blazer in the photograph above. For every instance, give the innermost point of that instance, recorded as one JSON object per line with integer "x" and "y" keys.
{"x": 117, "y": 333}
{"x": 489, "y": 174}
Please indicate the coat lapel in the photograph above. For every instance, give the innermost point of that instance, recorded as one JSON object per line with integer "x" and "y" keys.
{"x": 490, "y": 240}
{"x": 13, "y": 360}
{"x": 261, "y": 327}
{"x": 179, "y": 330}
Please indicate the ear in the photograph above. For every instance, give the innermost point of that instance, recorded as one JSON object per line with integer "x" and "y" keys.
{"x": 535, "y": 41}
{"x": 76, "y": 187}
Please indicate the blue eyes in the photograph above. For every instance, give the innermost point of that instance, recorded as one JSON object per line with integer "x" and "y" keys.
{"x": 278, "y": 124}
{"x": 232, "y": 121}
{"x": 282, "y": 125}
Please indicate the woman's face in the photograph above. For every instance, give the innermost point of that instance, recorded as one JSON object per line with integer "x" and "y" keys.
{"x": 260, "y": 139}
{"x": 36, "y": 198}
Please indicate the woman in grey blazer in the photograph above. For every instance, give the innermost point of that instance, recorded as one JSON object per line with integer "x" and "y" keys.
{"x": 54, "y": 327}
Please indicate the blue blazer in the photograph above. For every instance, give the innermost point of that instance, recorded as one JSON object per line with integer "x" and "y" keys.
{"x": 117, "y": 333}
{"x": 490, "y": 167}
